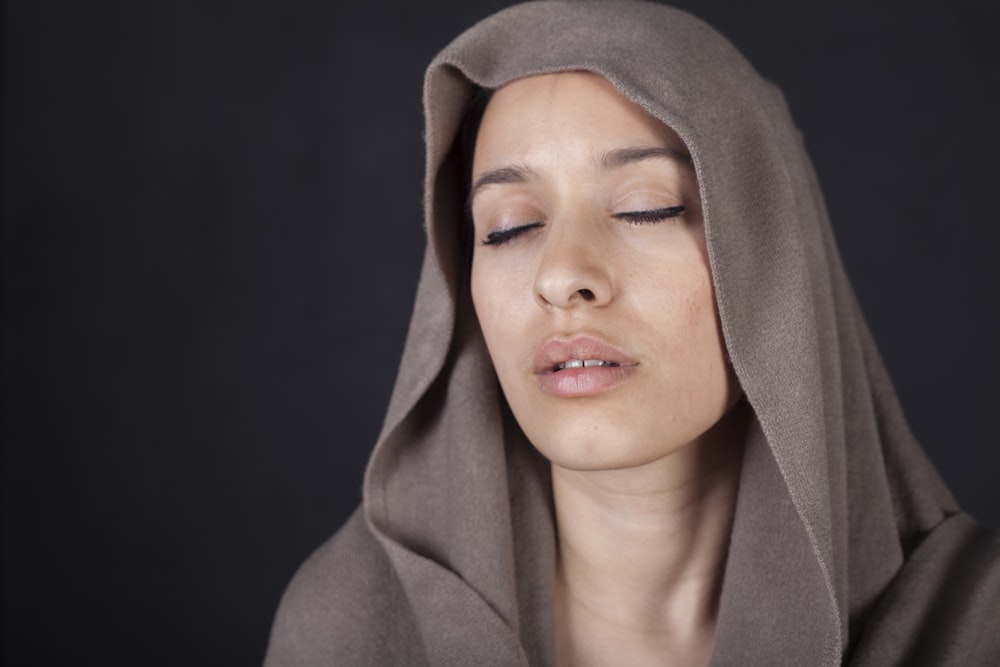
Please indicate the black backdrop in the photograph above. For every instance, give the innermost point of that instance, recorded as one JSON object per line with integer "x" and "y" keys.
{"x": 211, "y": 236}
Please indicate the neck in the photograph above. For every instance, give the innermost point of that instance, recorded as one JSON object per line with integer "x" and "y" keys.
{"x": 642, "y": 552}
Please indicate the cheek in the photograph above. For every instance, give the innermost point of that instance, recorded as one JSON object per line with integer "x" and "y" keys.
{"x": 700, "y": 306}
{"x": 485, "y": 298}
{"x": 689, "y": 324}
{"x": 684, "y": 296}
{"x": 710, "y": 374}
{"x": 496, "y": 310}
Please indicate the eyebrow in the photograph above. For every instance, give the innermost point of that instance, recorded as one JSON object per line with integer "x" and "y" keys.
{"x": 504, "y": 175}
{"x": 613, "y": 159}
{"x": 621, "y": 157}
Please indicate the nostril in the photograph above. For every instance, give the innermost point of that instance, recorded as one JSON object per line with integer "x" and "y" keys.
{"x": 586, "y": 294}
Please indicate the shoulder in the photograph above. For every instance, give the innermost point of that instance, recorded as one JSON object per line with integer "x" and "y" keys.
{"x": 345, "y": 605}
{"x": 943, "y": 606}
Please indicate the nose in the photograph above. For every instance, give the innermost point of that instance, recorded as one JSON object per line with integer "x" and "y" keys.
{"x": 574, "y": 269}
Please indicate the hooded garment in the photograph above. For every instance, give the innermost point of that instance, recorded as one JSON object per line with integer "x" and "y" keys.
{"x": 846, "y": 546}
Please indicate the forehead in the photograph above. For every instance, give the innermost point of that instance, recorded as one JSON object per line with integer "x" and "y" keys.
{"x": 568, "y": 110}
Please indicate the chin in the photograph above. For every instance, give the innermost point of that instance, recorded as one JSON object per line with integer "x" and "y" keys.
{"x": 589, "y": 448}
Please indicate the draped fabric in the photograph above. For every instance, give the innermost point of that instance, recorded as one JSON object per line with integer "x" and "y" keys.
{"x": 846, "y": 546}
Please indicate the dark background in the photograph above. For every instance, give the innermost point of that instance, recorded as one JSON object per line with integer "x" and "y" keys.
{"x": 211, "y": 234}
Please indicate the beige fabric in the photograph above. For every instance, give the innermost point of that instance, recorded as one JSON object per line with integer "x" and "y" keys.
{"x": 846, "y": 545}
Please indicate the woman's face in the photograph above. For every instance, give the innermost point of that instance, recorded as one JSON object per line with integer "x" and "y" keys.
{"x": 591, "y": 284}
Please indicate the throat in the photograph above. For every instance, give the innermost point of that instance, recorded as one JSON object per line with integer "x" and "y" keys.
{"x": 640, "y": 565}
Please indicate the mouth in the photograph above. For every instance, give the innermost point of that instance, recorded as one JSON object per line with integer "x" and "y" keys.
{"x": 581, "y": 366}
{"x": 582, "y": 352}
{"x": 582, "y": 363}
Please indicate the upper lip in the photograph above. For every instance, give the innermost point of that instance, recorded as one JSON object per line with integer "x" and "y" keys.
{"x": 558, "y": 350}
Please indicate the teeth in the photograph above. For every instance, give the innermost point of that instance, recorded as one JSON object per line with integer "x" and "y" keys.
{"x": 584, "y": 363}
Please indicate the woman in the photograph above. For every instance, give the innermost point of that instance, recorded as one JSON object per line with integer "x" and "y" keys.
{"x": 694, "y": 454}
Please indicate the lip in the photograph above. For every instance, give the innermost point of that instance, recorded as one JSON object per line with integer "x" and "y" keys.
{"x": 585, "y": 381}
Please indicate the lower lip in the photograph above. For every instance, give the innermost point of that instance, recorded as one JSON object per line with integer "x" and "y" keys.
{"x": 580, "y": 382}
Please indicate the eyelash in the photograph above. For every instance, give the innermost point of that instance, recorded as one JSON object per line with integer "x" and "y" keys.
{"x": 502, "y": 236}
{"x": 655, "y": 215}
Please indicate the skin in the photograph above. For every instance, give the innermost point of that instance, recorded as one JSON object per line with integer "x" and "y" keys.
{"x": 645, "y": 468}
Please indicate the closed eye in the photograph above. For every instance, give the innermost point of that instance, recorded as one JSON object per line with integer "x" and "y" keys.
{"x": 654, "y": 215}
{"x": 501, "y": 236}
